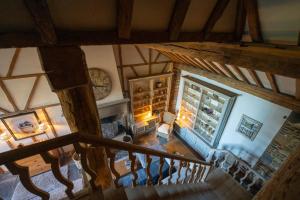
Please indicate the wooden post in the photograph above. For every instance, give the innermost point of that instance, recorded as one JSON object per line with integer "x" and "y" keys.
{"x": 285, "y": 183}
{"x": 68, "y": 76}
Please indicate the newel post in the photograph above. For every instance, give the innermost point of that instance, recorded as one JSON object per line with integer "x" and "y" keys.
{"x": 67, "y": 74}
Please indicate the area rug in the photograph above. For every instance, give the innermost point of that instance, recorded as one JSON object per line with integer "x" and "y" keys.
{"x": 48, "y": 183}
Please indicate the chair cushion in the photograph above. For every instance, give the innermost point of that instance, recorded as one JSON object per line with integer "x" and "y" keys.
{"x": 164, "y": 128}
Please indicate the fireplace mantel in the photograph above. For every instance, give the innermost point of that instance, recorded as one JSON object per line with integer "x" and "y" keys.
{"x": 113, "y": 108}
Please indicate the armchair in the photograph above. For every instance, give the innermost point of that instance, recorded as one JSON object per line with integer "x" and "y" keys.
{"x": 166, "y": 128}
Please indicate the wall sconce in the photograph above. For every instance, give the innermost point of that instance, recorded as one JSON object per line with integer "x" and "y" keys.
{"x": 4, "y": 136}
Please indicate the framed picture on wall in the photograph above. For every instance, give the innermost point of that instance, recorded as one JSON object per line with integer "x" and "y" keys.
{"x": 23, "y": 126}
{"x": 249, "y": 127}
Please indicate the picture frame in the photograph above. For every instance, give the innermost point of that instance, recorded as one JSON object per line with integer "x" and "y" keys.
{"x": 23, "y": 125}
{"x": 249, "y": 127}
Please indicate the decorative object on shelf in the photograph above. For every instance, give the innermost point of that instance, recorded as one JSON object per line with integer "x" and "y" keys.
{"x": 23, "y": 126}
{"x": 249, "y": 127}
{"x": 101, "y": 82}
{"x": 140, "y": 89}
{"x": 43, "y": 127}
{"x": 158, "y": 84}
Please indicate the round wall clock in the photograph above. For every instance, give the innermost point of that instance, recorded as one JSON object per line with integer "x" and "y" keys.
{"x": 101, "y": 83}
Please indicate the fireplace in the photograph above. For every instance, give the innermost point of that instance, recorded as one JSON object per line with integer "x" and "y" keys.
{"x": 113, "y": 118}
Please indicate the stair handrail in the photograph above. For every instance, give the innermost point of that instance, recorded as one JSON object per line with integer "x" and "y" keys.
{"x": 47, "y": 145}
{"x": 82, "y": 142}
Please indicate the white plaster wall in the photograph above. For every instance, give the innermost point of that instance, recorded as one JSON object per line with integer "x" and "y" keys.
{"x": 103, "y": 57}
{"x": 271, "y": 115}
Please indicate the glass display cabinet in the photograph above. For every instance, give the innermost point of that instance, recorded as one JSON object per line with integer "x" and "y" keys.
{"x": 204, "y": 109}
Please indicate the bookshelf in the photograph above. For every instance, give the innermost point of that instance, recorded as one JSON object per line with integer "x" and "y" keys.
{"x": 204, "y": 109}
{"x": 150, "y": 96}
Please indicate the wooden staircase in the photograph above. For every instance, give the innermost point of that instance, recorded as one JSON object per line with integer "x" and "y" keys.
{"x": 194, "y": 179}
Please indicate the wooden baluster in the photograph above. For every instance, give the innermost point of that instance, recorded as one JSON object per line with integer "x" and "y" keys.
{"x": 252, "y": 183}
{"x": 199, "y": 171}
{"x": 161, "y": 164}
{"x": 25, "y": 179}
{"x": 236, "y": 172}
{"x": 170, "y": 171}
{"x": 179, "y": 171}
{"x": 206, "y": 172}
{"x": 245, "y": 176}
{"x": 135, "y": 176}
{"x": 149, "y": 177}
{"x": 112, "y": 156}
{"x": 222, "y": 164}
{"x": 55, "y": 166}
{"x": 193, "y": 173}
{"x": 84, "y": 163}
{"x": 186, "y": 172}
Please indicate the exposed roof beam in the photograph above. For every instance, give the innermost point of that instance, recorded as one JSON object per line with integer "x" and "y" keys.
{"x": 253, "y": 20}
{"x": 32, "y": 39}
{"x": 272, "y": 81}
{"x": 276, "y": 61}
{"x": 41, "y": 16}
{"x": 121, "y": 67}
{"x": 179, "y": 13}
{"x": 13, "y": 62}
{"x": 157, "y": 57}
{"x": 125, "y": 10}
{"x": 32, "y": 92}
{"x": 240, "y": 20}
{"x": 140, "y": 53}
{"x": 215, "y": 16}
{"x": 277, "y": 98}
{"x": 255, "y": 77}
{"x": 143, "y": 64}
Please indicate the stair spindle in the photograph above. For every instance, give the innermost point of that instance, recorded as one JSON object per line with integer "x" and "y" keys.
{"x": 170, "y": 171}
{"x": 179, "y": 171}
{"x": 149, "y": 177}
{"x": 25, "y": 179}
{"x": 117, "y": 175}
{"x": 186, "y": 172}
{"x": 206, "y": 172}
{"x": 193, "y": 174}
{"x": 198, "y": 173}
{"x": 161, "y": 164}
{"x": 135, "y": 176}
{"x": 84, "y": 162}
{"x": 55, "y": 167}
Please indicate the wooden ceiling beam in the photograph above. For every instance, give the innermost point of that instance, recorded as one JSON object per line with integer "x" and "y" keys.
{"x": 253, "y": 20}
{"x": 255, "y": 78}
{"x": 157, "y": 57}
{"x": 143, "y": 64}
{"x": 41, "y": 16}
{"x": 140, "y": 53}
{"x": 32, "y": 39}
{"x": 134, "y": 71}
{"x": 121, "y": 67}
{"x": 13, "y": 62}
{"x": 273, "y": 83}
{"x": 277, "y": 98}
{"x": 125, "y": 10}
{"x": 275, "y": 61}
{"x": 215, "y": 16}
{"x": 240, "y": 20}
{"x": 3, "y": 110}
{"x": 32, "y": 92}
{"x": 8, "y": 95}
{"x": 179, "y": 13}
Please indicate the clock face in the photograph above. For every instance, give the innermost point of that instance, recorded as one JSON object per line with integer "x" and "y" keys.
{"x": 101, "y": 83}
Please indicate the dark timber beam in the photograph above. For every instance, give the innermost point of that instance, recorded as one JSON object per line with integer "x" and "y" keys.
{"x": 32, "y": 39}
{"x": 240, "y": 20}
{"x": 215, "y": 16}
{"x": 41, "y": 16}
{"x": 77, "y": 99}
{"x": 272, "y": 81}
{"x": 275, "y": 61}
{"x": 277, "y": 98}
{"x": 253, "y": 20}
{"x": 179, "y": 13}
{"x": 125, "y": 10}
